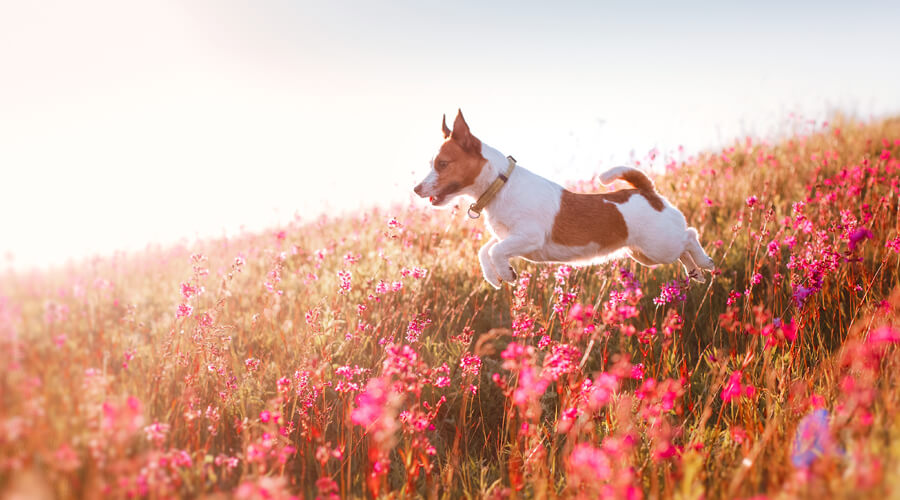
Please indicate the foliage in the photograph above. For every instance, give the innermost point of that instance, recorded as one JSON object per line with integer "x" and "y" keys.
{"x": 364, "y": 356}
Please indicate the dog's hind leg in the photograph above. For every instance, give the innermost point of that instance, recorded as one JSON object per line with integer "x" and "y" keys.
{"x": 699, "y": 256}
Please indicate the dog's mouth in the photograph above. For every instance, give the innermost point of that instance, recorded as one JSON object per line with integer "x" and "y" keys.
{"x": 444, "y": 193}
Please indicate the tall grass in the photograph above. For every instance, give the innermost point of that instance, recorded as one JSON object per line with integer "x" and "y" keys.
{"x": 365, "y": 356}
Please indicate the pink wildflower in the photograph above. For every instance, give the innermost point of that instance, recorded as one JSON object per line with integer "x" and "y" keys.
{"x": 184, "y": 310}
{"x": 345, "y": 285}
{"x": 858, "y": 236}
{"x": 886, "y": 334}
{"x": 734, "y": 389}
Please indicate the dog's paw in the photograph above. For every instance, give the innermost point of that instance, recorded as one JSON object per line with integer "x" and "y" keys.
{"x": 493, "y": 280}
{"x": 696, "y": 275}
{"x": 709, "y": 265}
{"x": 510, "y": 275}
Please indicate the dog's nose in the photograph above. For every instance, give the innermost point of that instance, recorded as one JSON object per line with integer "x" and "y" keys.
{"x": 418, "y": 190}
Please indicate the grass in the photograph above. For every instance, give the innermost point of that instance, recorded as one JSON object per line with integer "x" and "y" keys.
{"x": 365, "y": 356}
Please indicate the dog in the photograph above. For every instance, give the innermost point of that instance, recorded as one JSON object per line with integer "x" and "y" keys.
{"x": 536, "y": 219}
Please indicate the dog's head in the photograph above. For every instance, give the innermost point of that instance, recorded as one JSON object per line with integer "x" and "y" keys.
{"x": 455, "y": 166}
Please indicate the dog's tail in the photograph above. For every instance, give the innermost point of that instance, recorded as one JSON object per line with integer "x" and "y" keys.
{"x": 630, "y": 175}
{"x": 637, "y": 179}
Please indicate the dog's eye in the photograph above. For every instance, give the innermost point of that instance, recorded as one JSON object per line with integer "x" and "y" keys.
{"x": 441, "y": 165}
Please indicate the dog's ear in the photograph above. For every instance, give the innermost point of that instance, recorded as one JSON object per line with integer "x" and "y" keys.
{"x": 463, "y": 136}
{"x": 444, "y": 128}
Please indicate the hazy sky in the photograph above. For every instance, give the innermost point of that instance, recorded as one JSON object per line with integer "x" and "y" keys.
{"x": 126, "y": 123}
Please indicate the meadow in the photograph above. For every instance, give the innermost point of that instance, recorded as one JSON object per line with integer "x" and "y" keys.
{"x": 365, "y": 357}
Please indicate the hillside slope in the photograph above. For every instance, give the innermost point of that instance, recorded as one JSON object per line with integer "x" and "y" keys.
{"x": 365, "y": 356}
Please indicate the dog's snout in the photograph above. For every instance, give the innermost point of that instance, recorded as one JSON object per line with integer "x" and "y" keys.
{"x": 418, "y": 190}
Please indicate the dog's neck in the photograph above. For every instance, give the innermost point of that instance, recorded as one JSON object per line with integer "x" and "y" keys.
{"x": 495, "y": 165}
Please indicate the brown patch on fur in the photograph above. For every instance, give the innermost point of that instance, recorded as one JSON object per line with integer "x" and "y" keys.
{"x": 590, "y": 218}
{"x": 643, "y": 184}
{"x": 621, "y": 196}
{"x": 462, "y": 154}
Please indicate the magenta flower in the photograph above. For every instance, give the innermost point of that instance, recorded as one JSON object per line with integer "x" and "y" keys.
{"x": 601, "y": 390}
{"x": 376, "y": 409}
{"x": 470, "y": 364}
{"x": 735, "y": 389}
{"x": 184, "y": 310}
{"x": 886, "y": 334}
{"x": 587, "y": 465}
{"x": 415, "y": 328}
{"x": 801, "y": 293}
{"x": 858, "y": 236}
{"x": 345, "y": 285}
{"x": 671, "y": 292}
{"x": 581, "y": 313}
{"x": 252, "y": 364}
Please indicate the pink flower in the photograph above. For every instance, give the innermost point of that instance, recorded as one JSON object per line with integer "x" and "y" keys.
{"x": 562, "y": 359}
{"x": 581, "y": 312}
{"x": 184, "y": 310}
{"x": 671, "y": 292}
{"x": 858, "y": 236}
{"x": 751, "y": 201}
{"x": 601, "y": 390}
{"x": 156, "y": 432}
{"x": 394, "y": 224}
{"x": 894, "y": 244}
{"x": 470, "y": 364}
{"x": 345, "y": 285}
{"x": 188, "y": 290}
{"x": 562, "y": 273}
{"x": 886, "y": 334}
{"x": 415, "y": 328}
{"x": 800, "y": 295}
{"x": 351, "y": 258}
{"x": 734, "y": 389}
{"x": 789, "y": 330}
{"x": 587, "y": 465}
{"x": 376, "y": 409}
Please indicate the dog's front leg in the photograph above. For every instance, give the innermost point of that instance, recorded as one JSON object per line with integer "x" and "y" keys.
{"x": 513, "y": 246}
{"x": 487, "y": 267}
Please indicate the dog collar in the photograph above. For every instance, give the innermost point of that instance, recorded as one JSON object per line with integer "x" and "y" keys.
{"x": 492, "y": 190}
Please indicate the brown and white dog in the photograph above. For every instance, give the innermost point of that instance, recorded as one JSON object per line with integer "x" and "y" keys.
{"x": 538, "y": 220}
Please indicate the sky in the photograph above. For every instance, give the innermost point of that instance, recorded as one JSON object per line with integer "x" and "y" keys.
{"x": 124, "y": 124}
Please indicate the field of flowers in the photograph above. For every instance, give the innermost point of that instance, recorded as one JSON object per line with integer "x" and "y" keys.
{"x": 365, "y": 357}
